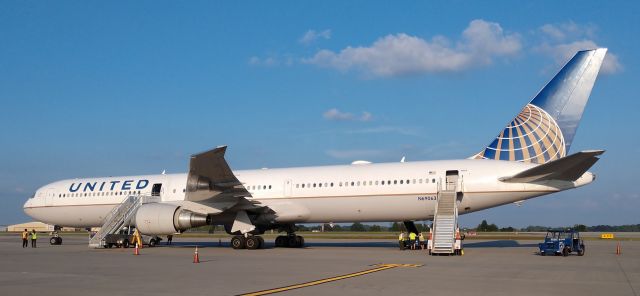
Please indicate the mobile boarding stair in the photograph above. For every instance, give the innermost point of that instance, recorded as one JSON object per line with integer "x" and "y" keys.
{"x": 445, "y": 220}
{"x": 119, "y": 217}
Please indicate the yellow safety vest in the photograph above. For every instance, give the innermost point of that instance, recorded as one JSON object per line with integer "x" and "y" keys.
{"x": 34, "y": 236}
{"x": 25, "y": 235}
{"x": 412, "y": 236}
{"x": 401, "y": 236}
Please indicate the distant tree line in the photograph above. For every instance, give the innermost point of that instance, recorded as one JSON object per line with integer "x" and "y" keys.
{"x": 484, "y": 226}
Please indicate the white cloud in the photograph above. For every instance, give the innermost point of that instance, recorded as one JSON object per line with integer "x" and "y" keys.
{"x": 385, "y": 130}
{"x": 562, "y": 41}
{"x": 335, "y": 114}
{"x": 354, "y": 153}
{"x": 403, "y": 54}
{"x": 256, "y": 61}
{"x": 312, "y": 35}
{"x": 271, "y": 61}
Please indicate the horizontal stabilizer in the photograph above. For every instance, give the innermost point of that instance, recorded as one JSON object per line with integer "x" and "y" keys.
{"x": 568, "y": 168}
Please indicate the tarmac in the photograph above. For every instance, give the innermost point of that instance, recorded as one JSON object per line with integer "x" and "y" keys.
{"x": 323, "y": 267}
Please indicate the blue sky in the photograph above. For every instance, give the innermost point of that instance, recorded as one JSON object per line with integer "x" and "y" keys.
{"x": 91, "y": 88}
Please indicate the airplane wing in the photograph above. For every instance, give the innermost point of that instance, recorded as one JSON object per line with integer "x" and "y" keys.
{"x": 568, "y": 168}
{"x": 211, "y": 185}
{"x": 210, "y": 176}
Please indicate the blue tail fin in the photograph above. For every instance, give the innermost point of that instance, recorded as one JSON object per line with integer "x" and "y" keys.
{"x": 544, "y": 129}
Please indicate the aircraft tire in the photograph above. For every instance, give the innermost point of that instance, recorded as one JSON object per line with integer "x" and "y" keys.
{"x": 299, "y": 241}
{"x": 53, "y": 241}
{"x": 261, "y": 240}
{"x": 281, "y": 241}
{"x": 292, "y": 241}
{"x": 252, "y": 243}
{"x": 237, "y": 242}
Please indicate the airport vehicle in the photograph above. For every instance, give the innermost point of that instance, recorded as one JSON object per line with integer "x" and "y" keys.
{"x": 124, "y": 239}
{"x": 562, "y": 242}
{"x": 528, "y": 158}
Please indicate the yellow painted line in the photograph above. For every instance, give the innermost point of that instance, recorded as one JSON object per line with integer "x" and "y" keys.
{"x": 380, "y": 267}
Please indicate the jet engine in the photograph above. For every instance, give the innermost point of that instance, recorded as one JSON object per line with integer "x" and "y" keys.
{"x": 159, "y": 218}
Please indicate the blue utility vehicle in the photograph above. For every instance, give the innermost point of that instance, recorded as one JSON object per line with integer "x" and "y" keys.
{"x": 562, "y": 242}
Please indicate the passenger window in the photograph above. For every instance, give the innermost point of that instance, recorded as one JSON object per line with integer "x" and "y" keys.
{"x": 433, "y": 180}
{"x": 401, "y": 181}
{"x": 331, "y": 184}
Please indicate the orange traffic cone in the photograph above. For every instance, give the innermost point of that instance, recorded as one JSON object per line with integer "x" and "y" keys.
{"x": 137, "y": 251}
{"x": 196, "y": 257}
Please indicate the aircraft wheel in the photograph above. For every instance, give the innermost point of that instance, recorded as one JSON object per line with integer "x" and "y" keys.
{"x": 261, "y": 240}
{"x": 152, "y": 243}
{"x": 292, "y": 241}
{"x": 581, "y": 252}
{"x": 252, "y": 243}
{"x": 237, "y": 242}
{"x": 53, "y": 241}
{"x": 281, "y": 241}
{"x": 299, "y": 241}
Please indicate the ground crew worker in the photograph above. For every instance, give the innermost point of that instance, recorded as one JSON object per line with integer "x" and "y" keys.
{"x": 25, "y": 238}
{"x": 412, "y": 240}
{"x": 421, "y": 238}
{"x": 137, "y": 239}
{"x": 34, "y": 237}
{"x": 169, "y": 239}
{"x": 401, "y": 240}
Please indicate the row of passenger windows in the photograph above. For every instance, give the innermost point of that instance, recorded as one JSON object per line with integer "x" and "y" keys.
{"x": 258, "y": 187}
{"x": 106, "y": 193}
{"x": 351, "y": 183}
{"x": 365, "y": 183}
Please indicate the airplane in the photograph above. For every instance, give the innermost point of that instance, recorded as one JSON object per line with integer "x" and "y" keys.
{"x": 527, "y": 159}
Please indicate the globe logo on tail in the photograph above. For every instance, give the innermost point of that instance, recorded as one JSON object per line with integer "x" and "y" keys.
{"x": 533, "y": 136}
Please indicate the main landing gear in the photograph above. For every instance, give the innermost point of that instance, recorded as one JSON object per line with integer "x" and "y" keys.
{"x": 250, "y": 242}
{"x": 289, "y": 241}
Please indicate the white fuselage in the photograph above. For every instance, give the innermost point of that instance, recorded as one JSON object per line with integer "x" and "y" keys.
{"x": 347, "y": 193}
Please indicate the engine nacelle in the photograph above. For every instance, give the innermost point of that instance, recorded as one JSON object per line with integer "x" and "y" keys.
{"x": 159, "y": 218}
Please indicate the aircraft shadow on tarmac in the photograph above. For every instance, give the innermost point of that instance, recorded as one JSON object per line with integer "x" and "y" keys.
{"x": 498, "y": 244}
{"x": 270, "y": 245}
{"x": 372, "y": 244}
